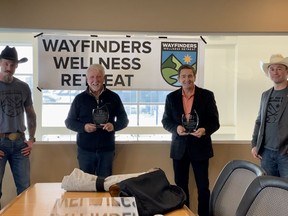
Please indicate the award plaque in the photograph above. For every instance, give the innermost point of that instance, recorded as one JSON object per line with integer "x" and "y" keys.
{"x": 190, "y": 121}
{"x": 100, "y": 115}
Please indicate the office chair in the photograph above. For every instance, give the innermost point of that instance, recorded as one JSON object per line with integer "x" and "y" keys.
{"x": 265, "y": 196}
{"x": 230, "y": 186}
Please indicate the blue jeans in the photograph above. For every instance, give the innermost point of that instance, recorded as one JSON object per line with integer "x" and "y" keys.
{"x": 274, "y": 164}
{"x": 97, "y": 163}
{"x": 19, "y": 164}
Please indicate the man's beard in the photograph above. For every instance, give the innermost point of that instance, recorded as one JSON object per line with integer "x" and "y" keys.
{"x": 7, "y": 78}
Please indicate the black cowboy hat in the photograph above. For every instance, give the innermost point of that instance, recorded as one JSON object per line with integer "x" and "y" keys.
{"x": 11, "y": 54}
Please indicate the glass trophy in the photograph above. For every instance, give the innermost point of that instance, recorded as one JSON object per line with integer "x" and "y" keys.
{"x": 100, "y": 115}
{"x": 190, "y": 121}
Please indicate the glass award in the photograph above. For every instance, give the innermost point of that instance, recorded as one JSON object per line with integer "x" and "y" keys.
{"x": 100, "y": 115}
{"x": 190, "y": 121}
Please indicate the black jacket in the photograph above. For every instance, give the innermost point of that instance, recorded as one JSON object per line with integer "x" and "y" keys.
{"x": 205, "y": 105}
{"x": 81, "y": 113}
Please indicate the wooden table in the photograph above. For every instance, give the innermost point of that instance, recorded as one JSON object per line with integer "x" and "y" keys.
{"x": 39, "y": 199}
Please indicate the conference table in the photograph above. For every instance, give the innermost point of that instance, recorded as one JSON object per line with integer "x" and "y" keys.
{"x": 39, "y": 200}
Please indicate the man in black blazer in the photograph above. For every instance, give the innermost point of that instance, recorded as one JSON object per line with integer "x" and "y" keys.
{"x": 191, "y": 147}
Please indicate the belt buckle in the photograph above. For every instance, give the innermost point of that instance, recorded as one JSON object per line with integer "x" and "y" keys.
{"x": 13, "y": 136}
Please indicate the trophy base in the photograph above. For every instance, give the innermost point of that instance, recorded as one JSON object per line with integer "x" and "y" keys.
{"x": 190, "y": 131}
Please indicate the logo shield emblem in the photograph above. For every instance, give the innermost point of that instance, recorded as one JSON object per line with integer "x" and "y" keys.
{"x": 175, "y": 54}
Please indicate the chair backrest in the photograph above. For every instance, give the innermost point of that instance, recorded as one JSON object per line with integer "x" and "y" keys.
{"x": 266, "y": 196}
{"x": 230, "y": 186}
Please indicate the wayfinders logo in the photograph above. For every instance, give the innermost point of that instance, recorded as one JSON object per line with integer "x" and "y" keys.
{"x": 175, "y": 54}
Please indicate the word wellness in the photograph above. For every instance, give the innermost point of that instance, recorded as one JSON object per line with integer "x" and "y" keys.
{"x": 110, "y": 63}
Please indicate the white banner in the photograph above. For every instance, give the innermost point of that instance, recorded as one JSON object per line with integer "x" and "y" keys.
{"x": 144, "y": 63}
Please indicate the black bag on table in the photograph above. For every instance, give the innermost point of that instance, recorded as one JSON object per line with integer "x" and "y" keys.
{"x": 153, "y": 193}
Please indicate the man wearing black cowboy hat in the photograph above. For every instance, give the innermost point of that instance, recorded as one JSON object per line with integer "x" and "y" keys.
{"x": 15, "y": 101}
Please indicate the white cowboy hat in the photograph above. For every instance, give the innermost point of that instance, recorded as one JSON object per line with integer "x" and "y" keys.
{"x": 274, "y": 59}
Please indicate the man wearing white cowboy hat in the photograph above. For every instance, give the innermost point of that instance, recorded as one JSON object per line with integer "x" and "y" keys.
{"x": 15, "y": 101}
{"x": 270, "y": 136}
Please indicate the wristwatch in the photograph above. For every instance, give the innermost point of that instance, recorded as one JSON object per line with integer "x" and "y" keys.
{"x": 32, "y": 139}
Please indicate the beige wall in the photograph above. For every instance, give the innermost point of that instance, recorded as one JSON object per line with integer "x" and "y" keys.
{"x": 50, "y": 162}
{"x": 154, "y": 16}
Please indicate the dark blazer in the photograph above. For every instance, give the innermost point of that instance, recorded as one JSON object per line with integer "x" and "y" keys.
{"x": 205, "y": 105}
{"x": 259, "y": 129}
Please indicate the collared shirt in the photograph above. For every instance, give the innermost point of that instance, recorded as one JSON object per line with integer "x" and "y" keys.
{"x": 188, "y": 101}
{"x": 96, "y": 97}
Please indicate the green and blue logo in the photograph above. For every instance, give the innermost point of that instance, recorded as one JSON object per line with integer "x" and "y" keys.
{"x": 175, "y": 54}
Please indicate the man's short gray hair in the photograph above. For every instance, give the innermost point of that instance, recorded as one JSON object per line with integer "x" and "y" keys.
{"x": 98, "y": 67}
